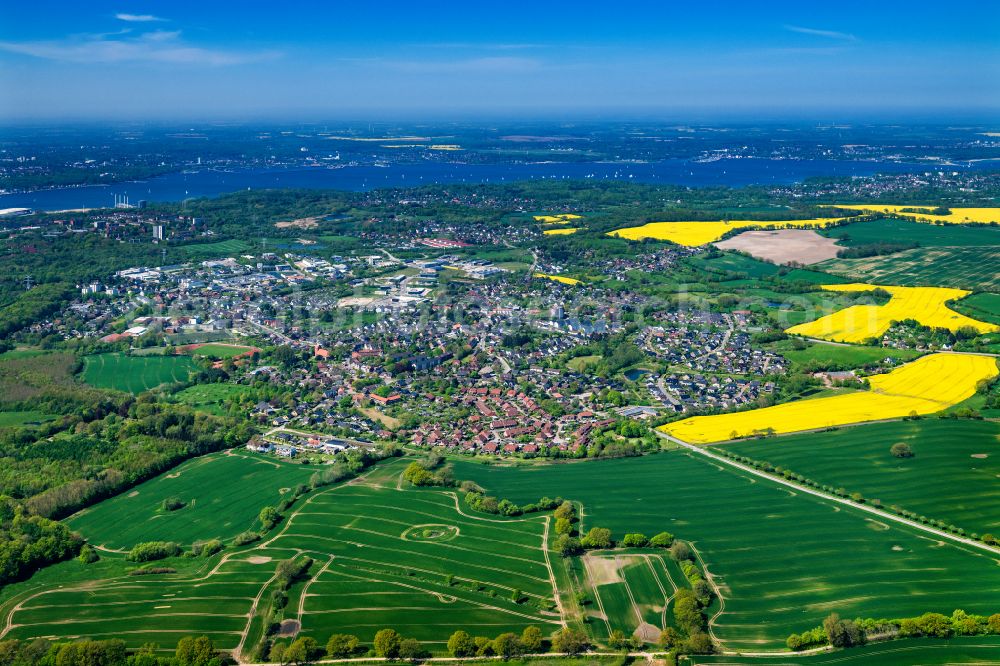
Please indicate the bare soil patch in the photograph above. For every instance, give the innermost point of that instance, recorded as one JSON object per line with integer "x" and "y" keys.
{"x": 289, "y": 628}
{"x": 602, "y": 570}
{"x": 301, "y": 223}
{"x": 803, "y": 246}
{"x": 258, "y": 559}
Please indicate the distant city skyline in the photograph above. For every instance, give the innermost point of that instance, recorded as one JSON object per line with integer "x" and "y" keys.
{"x": 300, "y": 61}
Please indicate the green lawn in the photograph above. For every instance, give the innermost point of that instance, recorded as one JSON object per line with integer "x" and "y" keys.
{"x": 952, "y": 477}
{"x": 783, "y": 560}
{"x": 217, "y": 249}
{"x": 135, "y": 374}
{"x": 223, "y": 492}
{"x": 220, "y": 350}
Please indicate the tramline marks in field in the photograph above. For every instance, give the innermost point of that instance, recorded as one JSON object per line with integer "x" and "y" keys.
{"x": 632, "y": 592}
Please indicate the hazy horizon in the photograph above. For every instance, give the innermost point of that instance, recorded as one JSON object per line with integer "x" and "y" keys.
{"x": 719, "y": 62}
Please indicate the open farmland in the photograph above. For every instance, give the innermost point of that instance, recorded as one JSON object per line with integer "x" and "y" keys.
{"x": 981, "y": 306}
{"x": 222, "y": 492}
{"x": 135, "y": 374}
{"x": 562, "y": 218}
{"x": 954, "y": 462}
{"x": 925, "y": 386}
{"x": 971, "y": 268}
{"x": 557, "y": 278}
{"x": 632, "y": 592}
{"x": 891, "y": 230}
{"x": 386, "y": 555}
{"x": 956, "y": 216}
{"x": 803, "y": 246}
{"x": 694, "y": 233}
{"x": 565, "y": 231}
{"x": 782, "y": 560}
{"x": 412, "y": 559}
{"x": 926, "y": 305}
{"x": 982, "y": 650}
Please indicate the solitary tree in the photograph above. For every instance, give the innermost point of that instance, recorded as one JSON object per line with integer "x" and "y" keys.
{"x": 387, "y": 643}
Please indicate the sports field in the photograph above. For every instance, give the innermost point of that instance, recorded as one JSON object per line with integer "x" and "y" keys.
{"x": 218, "y": 350}
{"x": 135, "y": 374}
{"x": 783, "y": 560}
{"x": 970, "y": 268}
{"x": 230, "y": 247}
{"x": 926, "y": 305}
{"x": 925, "y": 386}
{"x": 952, "y": 476}
{"x": 695, "y": 233}
{"x": 222, "y": 492}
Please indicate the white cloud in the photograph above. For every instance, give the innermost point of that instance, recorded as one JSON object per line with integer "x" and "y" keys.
{"x": 829, "y": 34}
{"x": 158, "y": 46}
{"x": 138, "y": 18}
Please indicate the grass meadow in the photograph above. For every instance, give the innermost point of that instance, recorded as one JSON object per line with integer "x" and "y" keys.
{"x": 223, "y": 493}
{"x": 135, "y": 374}
{"x": 783, "y": 560}
{"x": 210, "y": 397}
{"x": 952, "y": 476}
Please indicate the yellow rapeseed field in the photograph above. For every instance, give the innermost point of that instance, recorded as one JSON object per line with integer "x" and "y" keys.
{"x": 564, "y": 218}
{"x": 859, "y": 322}
{"x": 565, "y": 231}
{"x": 957, "y": 216}
{"x": 925, "y": 386}
{"x": 694, "y": 234}
{"x": 558, "y": 278}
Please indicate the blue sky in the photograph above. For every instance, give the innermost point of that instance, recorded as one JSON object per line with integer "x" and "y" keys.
{"x": 326, "y": 60}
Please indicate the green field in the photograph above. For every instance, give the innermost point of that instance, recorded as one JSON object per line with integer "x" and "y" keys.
{"x": 980, "y": 650}
{"x": 782, "y": 560}
{"x": 632, "y": 593}
{"x": 8, "y": 419}
{"x": 380, "y": 572}
{"x": 135, "y": 374}
{"x": 735, "y": 263}
{"x": 985, "y": 307}
{"x": 948, "y": 479}
{"x": 210, "y": 397}
{"x": 972, "y": 268}
{"x": 927, "y": 235}
{"x": 230, "y": 247}
{"x": 220, "y": 350}
{"x": 223, "y": 491}
{"x": 383, "y": 555}
{"x": 818, "y": 356}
